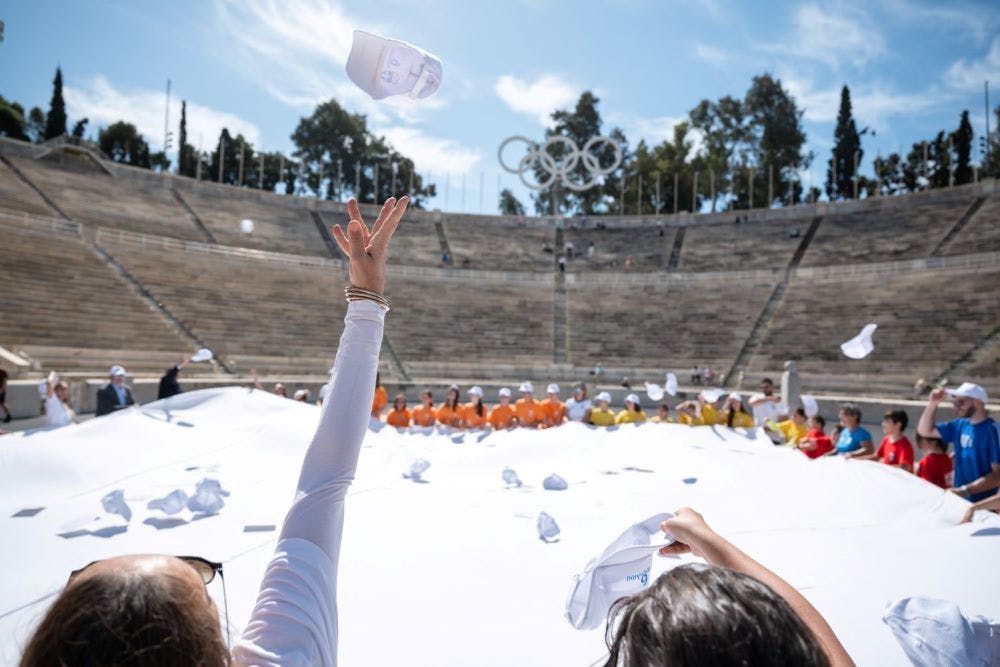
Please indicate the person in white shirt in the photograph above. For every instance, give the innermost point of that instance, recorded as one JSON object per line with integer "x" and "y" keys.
{"x": 766, "y": 404}
{"x": 578, "y": 406}
{"x": 103, "y": 614}
{"x": 57, "y": 410}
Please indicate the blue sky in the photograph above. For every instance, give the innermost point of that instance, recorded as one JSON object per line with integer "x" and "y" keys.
{"x": 257, "y": 67}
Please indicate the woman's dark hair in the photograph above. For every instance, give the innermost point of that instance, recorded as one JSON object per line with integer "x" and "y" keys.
{"x": 851, "y": 409}
{"x": 580, "y": 386}
{"x": 128, "y": 620}
{"x": 451, "y": 400}
{"x": 479, "y": 406}
{"x": 697, "y": 615}
{"x": 731, "y": 414}
{"x": 378, "y": 379}
{"x": 819, "y": 420}
{"x": 395, "y": 401}
{"x": 801, "y": 412}
{"x": 428, "y": 393}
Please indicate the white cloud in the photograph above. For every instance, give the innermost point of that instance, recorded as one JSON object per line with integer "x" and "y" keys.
{"x": 710, "y": 54}
{"x": 655, "y": 130}
{"x": 429, "y": 153}
{"x": 104, "y": 104}
{"x": 538, "y": 98}
{"x": 872, "y": 105}
{"x": 832, "y": 38}
{"x": 968, "y": 76}
{"x": 969, "y": 19}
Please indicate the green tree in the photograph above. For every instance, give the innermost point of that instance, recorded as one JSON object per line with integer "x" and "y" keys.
{"x": 34, "y": 126}
{"x": 777, "y": 138}
{"x": 962, "y": 142}
{"x": 122, "y": 142}
{"x": 12, "y": 120}
{"x": 847, "y": 145}
{"x": 727, "y": 137}
{"x": 80, "y": 128}
{"x": 991, "y": 156}
{"x": 509, "y": 204}
{"x": 55, "y": 122}
{"x": 186, "y": 159}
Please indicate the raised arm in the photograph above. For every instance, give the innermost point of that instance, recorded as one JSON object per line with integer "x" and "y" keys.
{"x": 926, "y": 426}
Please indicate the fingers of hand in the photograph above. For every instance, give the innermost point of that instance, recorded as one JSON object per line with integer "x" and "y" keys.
{"x": 353, "y": 212}
{"x": 675, "y": 549}
{"x": 341, "y": 238}
{"x": 389, "y": 225}
{"x": 356, "y": 236}
{"x": 387, "y": 207}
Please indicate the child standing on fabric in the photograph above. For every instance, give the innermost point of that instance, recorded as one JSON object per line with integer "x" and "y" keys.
{"x": 935, "y": 466}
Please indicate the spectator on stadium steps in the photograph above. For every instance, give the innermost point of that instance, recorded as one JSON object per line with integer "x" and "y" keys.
{"x": 708, "y": 375}
{"x": 529, "y": 411}
{"x": 381, "y": 398}
{"x": 662, "y": 415}
{"x": 569, "y": 247}
{"x": 766, "y": 404}
{"x": 578, "y": 405}
{"x": 895, "y": 449}
{"x": 816, "y": 443}
{"x": 399, "y": 416}
{"x": 935, "y": 466}
{"x": 633, "y": 411}
{"x": 474, "y": 413}
{"x": 553, "y": 409}
{"x": 425, "y": 414}
{"x": 695, "y": 375}
{"x": 791, "y": 430}
{"x": 854, "y": 440}
{"x": 3, "y": 396}
{"x": 301, "y": 395}
{"x": 57, "y": 409}
{"x": 974, "y": 436}
{"x": 687, "y": 414}
{"x": 628, "y": 263}
{"x": 602, "y": 414}
{"x": 168, "y": 383}
{"x": 502, "y": 415}
{"x": 562, "y": 264}
{"x": 449, "y": 413}
{"x": 590, "y": 250}
{"x": 115, "y": 396}
{"x": 735, "y": 414}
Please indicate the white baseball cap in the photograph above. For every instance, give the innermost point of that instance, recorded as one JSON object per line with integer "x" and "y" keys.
{"x": 632, "y": 398}
{"x": 604, "y": 396}
{"x": 622, "y": 569}
{"x": 505, "y": 391}
{"x": 527, "y": 388}
{"x": 116, "y": 371}
{"x": 735, "y": 397}
{"x": 553, "y": 388}
{"x": 969, "y": 390}
{"x": 384, "y": 67}
{"x": 711, "y": 395}
{"x": 476, "y": 391}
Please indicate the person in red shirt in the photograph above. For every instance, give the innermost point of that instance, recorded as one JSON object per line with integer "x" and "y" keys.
{"x": 474, "y": 413}
{"x": 816, "y": 443}
{"x": 399, "y": 416}
{"x": 425, "y": 415}
{"x": 553, "y": 409}
{"x": 502, "y": 415}
{"x": 935, "y": 466}
{"x": 895, "y": 449}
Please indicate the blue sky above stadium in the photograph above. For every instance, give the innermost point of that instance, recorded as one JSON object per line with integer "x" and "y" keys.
{"x": 256, "y": 67}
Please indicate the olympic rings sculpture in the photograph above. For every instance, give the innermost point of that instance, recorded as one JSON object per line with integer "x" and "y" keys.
{"x": 560, "y": 167}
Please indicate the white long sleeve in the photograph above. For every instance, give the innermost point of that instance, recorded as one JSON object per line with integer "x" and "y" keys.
{"x": 295, "y": 619}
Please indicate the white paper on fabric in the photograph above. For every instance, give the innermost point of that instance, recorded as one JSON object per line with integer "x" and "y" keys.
{"x": 385, "y": 67}
{"x": 861, "y": 345}
{"x": 823, "y": 522}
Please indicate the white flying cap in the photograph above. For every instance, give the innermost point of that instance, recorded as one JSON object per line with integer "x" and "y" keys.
{"x": 632, "y": 398}
{"x": 527, "y": 388}
{"x": 810, "y": 405}
{"x": 622, "y": 569}
{"x": 246, "y": 226}
{"x": 553, "y": 388}
{"x": 505, "y": 391}
{"x": 604, "y": 396}
{"x": 116, "y": 371}
{"x": 969, "y": 390}
{"x": 654, "y": 391}
{"x": 385, "y": 67}
{"x": 671, "y": 384}
{"x": 861, "y": 345}
{"x": 204, "y": 354}
{"x": 476, "y": 391}
{"x": 711, "y": 395}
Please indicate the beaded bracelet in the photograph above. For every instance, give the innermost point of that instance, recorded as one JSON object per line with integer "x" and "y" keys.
{"x": 353, "y": 293}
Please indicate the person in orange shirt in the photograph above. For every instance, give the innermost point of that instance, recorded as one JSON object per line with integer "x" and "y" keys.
{"x": 553, "y": 409}
{"x": 503, "y": 415}
{"x": 381, "y": 398}
{"x": 425, "y": 414}
{"x": 449, "y": 413}
{"x": 474, "y": 413}
{"x": 399, "y": 416}
{"x": 529, "y": 411}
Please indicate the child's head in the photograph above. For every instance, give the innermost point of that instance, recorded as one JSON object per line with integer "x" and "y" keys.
{"x": 931, "y": 445}
{"x": 400, "y": 402}
{"x": 663, "y": 411}
{"x": 894, "y": 422}
{"x": 799, "y": 416}
{"x": 817, "y": 423}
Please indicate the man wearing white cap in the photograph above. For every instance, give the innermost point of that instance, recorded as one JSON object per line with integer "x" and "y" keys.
{"x": 975, "y": 436}
{"x": 553, "y": 409}
{"x": 115, "y": 396}
{"x": 529, "y": 411}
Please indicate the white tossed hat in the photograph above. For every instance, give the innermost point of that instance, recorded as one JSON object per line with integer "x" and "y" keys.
{"x": 204, "y": 354}
{"x": 246, "y": 226}
{"x": 384, "y": 67}
{"x": 527, "y": 388}
{"x": 552, "y": 388}
{"x": 861, "y": 345}
{"x": 621, "y": 569}
{"x": 810, "y": 405}
{"x": 476, "y": 391}
{"x": 604, "y": 396}
{"x": 712, "y": 395}
{"x": 504, "y": 391}
{"x": 654, "y": 391}
{"x": 116, "y": 371}
{"x": 671, "y": 386}
{"x": 969, "y": 390}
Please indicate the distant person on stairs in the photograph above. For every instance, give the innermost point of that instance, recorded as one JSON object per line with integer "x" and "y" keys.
{"x": 168, "y": 383}
{"x": 116, "y": 396}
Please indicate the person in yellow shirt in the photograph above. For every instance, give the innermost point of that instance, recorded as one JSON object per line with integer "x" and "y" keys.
{"x": 707, "y": 411}
{"x": 381, "y": 397}
{"x": 529, "y": 411}
{"x": 632, "y": 413}
{"x": 449, "y": 413}
{"x": 602, "y": 414}
{"x": 399, "y": 416}
{"x": 687, "y": 414}
{"x": 474, "y": 414}
{"x": 662, "y": 415}
{"x": 735, "y": 413}
{"x": 503, "y": 415}
{"x": 791, "y": 430}
{"x": 425, "y": 414}
{"x": 553, "y": 408}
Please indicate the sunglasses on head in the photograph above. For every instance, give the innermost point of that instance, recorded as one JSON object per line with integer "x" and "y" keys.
{"x": 205, "y": 568}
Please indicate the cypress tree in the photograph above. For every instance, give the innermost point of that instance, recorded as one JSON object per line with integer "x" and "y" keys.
{"x": 847, "y": 141}
{"x": 182, "y": 156}
{"x": 55, "y": 122}
{"x": 962, "y": 142}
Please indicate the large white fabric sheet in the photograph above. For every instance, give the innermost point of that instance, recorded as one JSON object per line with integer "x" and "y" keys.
{"x": 450, "y": 570}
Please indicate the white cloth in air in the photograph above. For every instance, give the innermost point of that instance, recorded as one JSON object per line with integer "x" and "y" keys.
{"x": 294, "y": 621}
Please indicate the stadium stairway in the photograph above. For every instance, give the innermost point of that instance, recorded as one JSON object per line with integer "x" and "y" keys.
{"x": 958, "y": 227}
{"x": 675, "y": 249}
{"x": 198, "y": 222}
{"x": 443, "y": 241}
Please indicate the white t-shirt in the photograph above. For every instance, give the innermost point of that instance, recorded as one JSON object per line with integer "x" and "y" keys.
{"x": 766, "y": 410}
{"x": 576, "y": 410}
{"x": 56, "y": 413}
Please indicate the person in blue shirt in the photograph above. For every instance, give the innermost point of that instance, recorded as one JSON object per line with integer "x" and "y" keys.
{"x": 854, "y": 440}
{"x": 975, "y": 436}
{"x": 116, "y": 396}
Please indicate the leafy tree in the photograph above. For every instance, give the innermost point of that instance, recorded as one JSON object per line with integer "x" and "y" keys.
{"x": 509, "y": 204}
{"x": 12, "y": 120}
{"x": 55, "y": 122}
{"x": 80, "y": 127}
{"x": 159, "y": 161}
{"x": 777, "y": 137}
{"x": 847, "y": 144}
{"x": 122, "y": 142}
{"x": 962, "y": 141}
{"x": 34, "y": 126}
{"x": 726, "y": 136}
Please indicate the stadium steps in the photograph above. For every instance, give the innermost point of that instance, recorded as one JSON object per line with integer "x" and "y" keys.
{"x": 675, "y": 250}
{"x": 966, "y": 218}
{"x": 560, "y": 334}
{"x": 27, "y": 181}
{"x": 324, "y": 232}
{"x": 973, "y": 356}
{"x": 194, "y": 216}
{"x": 443, "y": 240}
{"x": 806, "y": 240}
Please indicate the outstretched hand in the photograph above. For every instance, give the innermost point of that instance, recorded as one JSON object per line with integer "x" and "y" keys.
{"x": 690, "y": 531}
{"x": 367, "y": 249}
